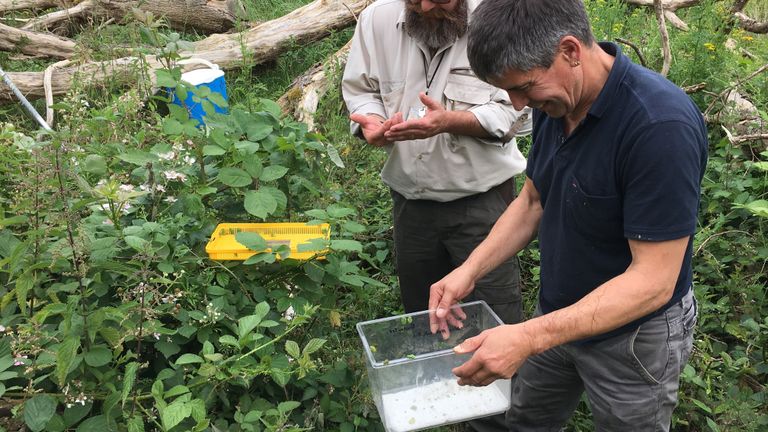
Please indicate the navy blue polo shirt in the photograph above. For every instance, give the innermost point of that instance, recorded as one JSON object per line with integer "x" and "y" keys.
{"x": 631, "y": 170}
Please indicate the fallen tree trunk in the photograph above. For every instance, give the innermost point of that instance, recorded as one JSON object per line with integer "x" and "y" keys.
{"x": 14, "y": 5}
{"x": 750, "y": 24}
{"x": 34, "y": 43}
{"x": 263, "y": 42}
{"x": 204, "y": 16}
{"x": 302, "y": 99}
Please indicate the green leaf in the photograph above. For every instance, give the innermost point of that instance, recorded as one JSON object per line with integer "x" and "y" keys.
{"x": 758, "y": 207}
{"x": 260, "y": 203}
{"x": 174, "y": 413}
{"x": 137, "y": 243}
{"x": 313, "y": 345}
{"x": 95, "y": 164}
{"x": 172, "y": 127}
{"x": 287, "y": 406}
{"x": 234, "y": 177}
{"x": 176, "y": 390}
{"x": 246, "y": 324}
{"x": 261, "y": 310}
{"x": 277, "y": 194}
{"x": 347, "y": 245}
{"x": 292, "y": 349}
{"x": 128, "y": 379}
{"x": 164, "y": 78}
{"x": 333, "y": 154}
{"x": 273, "y": 172}
{"x": 213, "y": 150}
{"x": 251, "y": 240}
{"x": 247, "y": 147}
{"x": 73, "y": 414}
{"x": 98, "y": 356}
{"x": 65, "y": 355}
{"x": 271, "y": 107}
{"x": 702, "y": 405}
{"x": 188, "y": 358}
{"x": 135, "y": 424}
{"x": 38, "y": 411}
{"x": 712, "y": 425}
{"x": 137, "y": 157}
{"x": 264, "y": 257}
{"x": 98, "y": 423}
{"x": 337, "y": 212}
{"x": 257, "y": 132}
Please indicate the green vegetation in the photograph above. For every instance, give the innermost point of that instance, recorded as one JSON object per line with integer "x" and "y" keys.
{"x": 113, "y": 317}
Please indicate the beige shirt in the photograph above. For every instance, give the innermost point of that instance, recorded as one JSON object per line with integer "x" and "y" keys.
{"x": 385, "y": 72}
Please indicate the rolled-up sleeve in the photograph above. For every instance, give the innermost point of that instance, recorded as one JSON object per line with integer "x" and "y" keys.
{"x": 360, "y": 83}
{"x": 502, "y": 121}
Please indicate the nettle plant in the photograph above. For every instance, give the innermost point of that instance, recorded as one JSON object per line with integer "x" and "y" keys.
{"x": 112, "y": 316}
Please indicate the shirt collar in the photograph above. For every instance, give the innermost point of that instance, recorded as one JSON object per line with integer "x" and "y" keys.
{"x": 615, "y": 77}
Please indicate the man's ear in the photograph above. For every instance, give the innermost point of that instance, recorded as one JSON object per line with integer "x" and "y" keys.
{"x": 571, "y": 49}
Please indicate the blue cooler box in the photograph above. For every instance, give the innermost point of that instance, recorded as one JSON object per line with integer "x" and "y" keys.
{"x": 211, "y": 78}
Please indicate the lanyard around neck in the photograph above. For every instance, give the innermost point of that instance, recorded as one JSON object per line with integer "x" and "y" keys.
{"x": 427, "y": 79}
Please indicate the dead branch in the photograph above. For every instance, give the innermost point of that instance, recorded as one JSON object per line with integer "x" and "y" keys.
{"x": 664, "y": 37}
{"x": 669, "y": 7}
{"x": 302, "y": 98}
{"x": 751, "y": 25}
{"x": 634, "y": 48}
{"x": 695, "y": 88}
{"x": 728, "y": 89}
{"x": 52, "y": 19}
{"x": 34, "y": 43}
{"x": 738, "y": 139}
{"x": 261, "y": 43}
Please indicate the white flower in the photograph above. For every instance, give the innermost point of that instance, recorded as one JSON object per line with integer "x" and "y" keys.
{"x": 2, "y": 329}
{"x": 175, "y": 175}
{"x": 156, "y": 335}
{"x": 289, "y": 313}
{"x": 189, "y": 160}
{"x": 167, "y": 156}
{"x": 170, "y": 199}
{"x": 126, "y": 187}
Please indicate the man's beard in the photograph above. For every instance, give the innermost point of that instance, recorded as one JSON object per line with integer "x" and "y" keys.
{"x": 438, "y": 27}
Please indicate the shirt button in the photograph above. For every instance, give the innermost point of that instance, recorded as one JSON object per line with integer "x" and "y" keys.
{"x": 420, "y": 156}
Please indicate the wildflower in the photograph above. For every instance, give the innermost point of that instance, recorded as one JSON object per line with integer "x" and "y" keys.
{"x": 170, "y": 199}
{"x": 126, "y": 187}
{"x": 747, "y": 38}
{"x": 175, "y": 175}
{"x": 171, "y": 155}
{"x": 2, "y": 329}
{"x": 19, "y": 360}
{"x": 189, "y": 160}
{"x": 156, "y": 336}
{"x": 710, "y": 46}
{"x": 289, "y": 314}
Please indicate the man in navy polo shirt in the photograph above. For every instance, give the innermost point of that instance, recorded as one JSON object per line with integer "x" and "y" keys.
{"x": 612, "y": 189}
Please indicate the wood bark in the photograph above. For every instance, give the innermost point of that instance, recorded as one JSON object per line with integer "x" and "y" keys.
{"x": 260, "y": 43}
{"x": 14, "y": 5}
{"x": 302, "y": 99}
{"x": 667, "y": 54}
{"x": 750, "y": 24}
{"x": 34, "y": 43}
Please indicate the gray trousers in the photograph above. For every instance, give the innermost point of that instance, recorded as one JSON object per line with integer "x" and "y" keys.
{"x": 631, "y": 380}
{"x": 432, "y": 238}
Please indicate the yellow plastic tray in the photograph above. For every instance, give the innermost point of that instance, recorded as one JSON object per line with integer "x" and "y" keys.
{"x": 223, "y": 246}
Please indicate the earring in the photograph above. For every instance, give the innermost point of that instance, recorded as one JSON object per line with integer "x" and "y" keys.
{"x": 576, "y": 63}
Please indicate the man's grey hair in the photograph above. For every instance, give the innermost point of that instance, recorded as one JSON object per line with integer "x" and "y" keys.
{"x": 522, "y": 34}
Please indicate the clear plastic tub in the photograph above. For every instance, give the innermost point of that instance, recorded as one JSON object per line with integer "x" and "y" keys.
{"x": 409, "y": 371}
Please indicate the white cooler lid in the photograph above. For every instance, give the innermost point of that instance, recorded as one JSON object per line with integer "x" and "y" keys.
{"x": 201, "y": 76}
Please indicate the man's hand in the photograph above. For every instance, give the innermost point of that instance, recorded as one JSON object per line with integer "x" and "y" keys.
{"x": 374, "y": 127}
{"x": 445, "y": 293}
{"x": 498, "y": 354}
{"x": 433, "y": 123}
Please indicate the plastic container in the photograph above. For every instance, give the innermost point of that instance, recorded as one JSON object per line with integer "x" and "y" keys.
{"x": 211, "y": 77}
{"x": 409, "y": 371}
{"x": 223, "y": 246}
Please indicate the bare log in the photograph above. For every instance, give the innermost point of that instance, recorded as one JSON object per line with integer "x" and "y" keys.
{"x": 302, "y": 98}
{"x": 750, "y": 24}
{"x": 204, "y": 16}
{"x": 14, "y": 5}
{"x": 261, "y": 43}
{"x": 34, "y": 43}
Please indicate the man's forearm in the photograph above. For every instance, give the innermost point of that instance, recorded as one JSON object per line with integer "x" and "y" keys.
{"x": 464, "y": 123}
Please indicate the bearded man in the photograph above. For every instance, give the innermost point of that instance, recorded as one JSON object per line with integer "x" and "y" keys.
{"x": 450, "y": 141}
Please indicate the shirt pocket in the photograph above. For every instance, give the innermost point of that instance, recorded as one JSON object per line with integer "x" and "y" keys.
{"x": 464, "y": 91}
{"x": 392, "y": 96}
{"x": 598, "y": 217}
